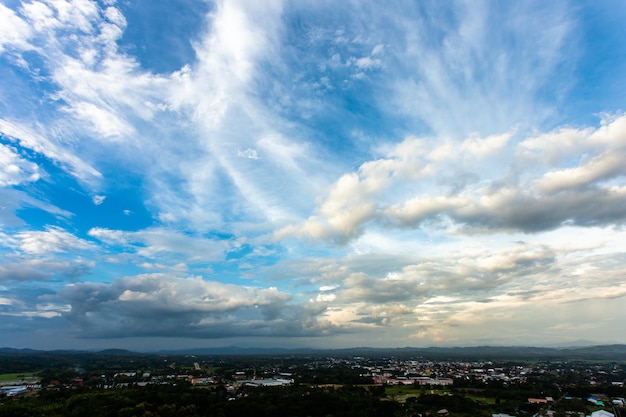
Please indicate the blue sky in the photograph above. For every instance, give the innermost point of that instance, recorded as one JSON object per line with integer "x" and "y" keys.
{"x": 327, "y": 174}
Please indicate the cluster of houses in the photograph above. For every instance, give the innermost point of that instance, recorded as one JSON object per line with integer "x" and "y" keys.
{"x": 602, "y": 400}
{"x": 550, "y": 413}
{"x": 394, "y": 371}
{"x": 389, "y": 379}
{"x": 387, "y": 371}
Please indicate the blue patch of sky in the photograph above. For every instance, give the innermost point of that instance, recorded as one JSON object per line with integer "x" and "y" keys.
{"x": 12, "y": 4}
{"x": 106, "y": 272}
{"x": 269, "y": 255}
{"x": 16, "y": 90}
{"x": 230, "y": 203}
{"x": 161, "y": 34}
{"x": 239, "y": 252}
{"x": 434, "y": 21}
{"x": 601, "y": 66}
{"x": 225, "y": 272}
{"x": 36, "y": 218}
{"x": 321, "y": 59}
{"x": 28, "y": 95}
{"x": 332, "y": 125}
{"x": 336, "y": 98}
{"x": 218, "y": 235}
{"x": 30, "y": 292}
{"x": 122, "y": 209}
{"x": 36, "y": 64}
{"x": 248, "y": 263}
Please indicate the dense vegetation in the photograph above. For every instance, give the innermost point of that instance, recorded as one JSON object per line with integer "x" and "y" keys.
{"x": 183, "y": 400}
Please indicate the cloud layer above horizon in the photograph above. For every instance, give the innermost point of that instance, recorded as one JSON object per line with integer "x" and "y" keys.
{"x": 188, "y": 174}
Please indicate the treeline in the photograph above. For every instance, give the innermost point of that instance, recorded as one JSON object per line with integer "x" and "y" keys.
{"x": 18, "y": 360}
{"x": 13, "y": 360}
{"x": 184, "y": 400}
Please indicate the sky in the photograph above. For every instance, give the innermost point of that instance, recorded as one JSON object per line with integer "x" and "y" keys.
{"x": 183, "y": 174}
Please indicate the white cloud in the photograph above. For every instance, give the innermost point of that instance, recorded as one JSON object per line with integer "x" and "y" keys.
{"x": 42, "y": 314}
{"x": 106, "y": 123}
{"x": 30, "y": 138}
{"x": 98, "y": 199}
{"x": 14, "y": 169}
{"x": 108, "y": 236}
{"x": 157, "y": 266}
{"x": 52, "y": 240}
{"x": 115, "y": 16}
{"x": 248, "y": 153}
{"x": 195, "y": 294}
{"x": 14, "y": 32}
{"x": 606, "y": 166}
{"x": 490, "y": 199}
{"x": 457, "y": 282}
{"x": 29, "y": 266}
{"x": 40, "y": 15}
{"x": 367, "y": 63}
{"x": 161, "y": 242}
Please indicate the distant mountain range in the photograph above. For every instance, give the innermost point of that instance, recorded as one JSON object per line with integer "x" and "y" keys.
{"x": 603, "y": 352}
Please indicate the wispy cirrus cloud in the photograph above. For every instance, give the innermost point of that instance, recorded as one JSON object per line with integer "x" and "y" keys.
{"x": 162, "y": 243}
{"x": 30, "y": 138}
{"x": 483, "y": 69}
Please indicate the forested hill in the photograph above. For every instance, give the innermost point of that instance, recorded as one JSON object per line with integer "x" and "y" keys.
{"x": 604, "y": 352}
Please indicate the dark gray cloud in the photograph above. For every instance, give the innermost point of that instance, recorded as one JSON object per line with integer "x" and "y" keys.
{"x": 44, "y": 269}
{"x": 27, "y": 306}
{"x": 20, "y": 272}
{"x": 159, "y": 305}
{"x": 591, "y": 206}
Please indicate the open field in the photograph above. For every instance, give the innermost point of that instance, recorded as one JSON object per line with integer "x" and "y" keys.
{"x": 18, "y": 377}
{"x": 401, "y": 392}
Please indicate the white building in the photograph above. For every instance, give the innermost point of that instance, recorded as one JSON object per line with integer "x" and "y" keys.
{"x": 602, "y": 413}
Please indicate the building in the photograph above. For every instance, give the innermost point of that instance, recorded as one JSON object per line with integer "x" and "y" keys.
{"x": 11, "y": 391}
{"x": 602, "y": 413}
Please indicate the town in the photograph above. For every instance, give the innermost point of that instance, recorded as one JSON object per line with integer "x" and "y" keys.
{"x": 133, "y": 384}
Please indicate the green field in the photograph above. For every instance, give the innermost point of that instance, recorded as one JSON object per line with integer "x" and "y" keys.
{"x": 411, "y": 390}
{"x": 27, "y": 377}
